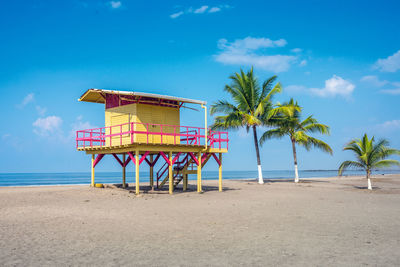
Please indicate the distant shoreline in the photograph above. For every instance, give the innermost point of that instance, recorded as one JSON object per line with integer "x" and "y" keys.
{"x": 266, "y": 180}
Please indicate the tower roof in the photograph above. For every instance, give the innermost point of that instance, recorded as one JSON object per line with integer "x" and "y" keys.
{"x": 98, "y": 96}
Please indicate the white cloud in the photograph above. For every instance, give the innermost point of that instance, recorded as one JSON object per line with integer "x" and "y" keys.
{"x": 335, "y": 86}
{"x": 303, "y": 63}
{"x": 115, "y": 4}
{"x": 391, "y": 91}
{"x": 48, "y": 126}
{"x": 214, "y": 9}
{"x": 388, "y": 126}
{"x": 200, "y": 10}
{"x": 397, "y": 84}
{"x": 277, "y": 63}
{"x": 175, "y": 15}
{"x": 6, "y": 136}
{"x": 296, "y": 50}
{"x": 389, "y": 64}
{"x": 13, "y": 141}
{"x": 80, "y": 125}
{"x": 373, "y": 80}
{"x": 40, "y": 110}
{"x": 247, "y": 52}
{"x": 249, "y": 44}
{"x": 27, "y": 99}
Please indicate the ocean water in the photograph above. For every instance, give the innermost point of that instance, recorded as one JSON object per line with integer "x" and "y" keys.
{"x": 68, "y": 178}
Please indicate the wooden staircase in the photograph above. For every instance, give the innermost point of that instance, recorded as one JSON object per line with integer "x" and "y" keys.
{"x": 185, "y": 165}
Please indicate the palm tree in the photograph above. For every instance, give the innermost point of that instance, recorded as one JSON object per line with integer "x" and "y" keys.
{"x": 369, "y": 155}
{"x": 251, "y": 105}
{"x": 289, "y": 124}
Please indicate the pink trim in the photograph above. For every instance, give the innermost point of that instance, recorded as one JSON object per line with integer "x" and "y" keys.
{"x": 97, "y": 160}
{"x": 194, "y": 158}
{"x": 143, "y": 157}
{"x": 165, "y": 157}
{"x": 163, "y": 169}
{"x": 127, "y": 161}
{"x": 175, "y": 158}
{"x": 117, "y": 158}
{"x": 203, "y": 157}
{"x": 193, "y": 136}
{"x": 216, "y": 159}
{"x": 155, "y": 160}
{"x": 132, "y": 157}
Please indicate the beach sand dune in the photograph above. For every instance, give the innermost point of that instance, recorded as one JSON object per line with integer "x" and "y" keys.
{"x": 325, "y": 222}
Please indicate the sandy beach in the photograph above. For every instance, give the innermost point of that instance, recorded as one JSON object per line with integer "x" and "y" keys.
{"x": 328, "y": 221}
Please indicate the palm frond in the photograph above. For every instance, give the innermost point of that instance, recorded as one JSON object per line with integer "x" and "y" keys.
{"x": 222, "y": 106}
{"x": 373, "y": 154}
{"x": 267, "y": 86}
{"x": 349, "y": 164}
{"x": 230, "y": 121}
{"x": 317, "y": 127}
{"x": 274, "y": 133}
{"x": 355, "y": 147}
{"x": 316, "y": 143}
{"x": 386, "y": 163}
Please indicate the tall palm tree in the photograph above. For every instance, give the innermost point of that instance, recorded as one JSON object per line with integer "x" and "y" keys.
{"x": 369, "y": 155}
{"x": 289, "y": 124}
{"x": 251, "y": 105}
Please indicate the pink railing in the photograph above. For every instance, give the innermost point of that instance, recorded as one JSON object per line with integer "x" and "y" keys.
{"x": 135, "y": 132}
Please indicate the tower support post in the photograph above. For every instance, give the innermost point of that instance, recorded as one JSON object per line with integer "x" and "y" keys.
{"x": 220, "y": 173}
{"x": 92, "y": 168}
{"x": 151, "y": 172}
{"x": 170, "y": 175}
{"x": 123, "y": 171}
{"x": 185, "y": 181}
{"x": 199, "y": 187}
{"x": 137, "y": 171}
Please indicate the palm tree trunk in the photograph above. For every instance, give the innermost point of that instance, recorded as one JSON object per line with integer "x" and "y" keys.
{"x": 296, "y": 172}
{"x": 369, "y": 179}
{"x": 260, "y": 178}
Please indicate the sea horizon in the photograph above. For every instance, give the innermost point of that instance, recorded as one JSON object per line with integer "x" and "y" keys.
{"x": 82, "y": 178}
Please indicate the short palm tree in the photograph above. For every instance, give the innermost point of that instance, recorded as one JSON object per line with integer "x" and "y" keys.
{"x": 369, "y": 155}
{"x": 289, "y": 124}
{"x": 251, "y": 105}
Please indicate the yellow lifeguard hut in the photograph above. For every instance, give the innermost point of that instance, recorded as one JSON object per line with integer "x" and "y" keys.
{"x": 143, "y": 127}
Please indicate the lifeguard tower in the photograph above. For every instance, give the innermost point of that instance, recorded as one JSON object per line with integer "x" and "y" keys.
{"x": 143, "y": 127}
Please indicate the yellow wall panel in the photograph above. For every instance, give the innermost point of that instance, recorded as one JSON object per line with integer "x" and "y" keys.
{"x": 116, "y": 116}
{"x": 145, "y": 116}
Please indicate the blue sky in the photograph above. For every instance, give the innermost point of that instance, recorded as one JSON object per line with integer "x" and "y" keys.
{"x": 339, "y": 59}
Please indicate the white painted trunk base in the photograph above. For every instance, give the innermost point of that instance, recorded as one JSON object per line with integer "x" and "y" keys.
{"x": 260, "y": 177}
{"x": 296, "y": 174}
{"x": 369, "y": 184}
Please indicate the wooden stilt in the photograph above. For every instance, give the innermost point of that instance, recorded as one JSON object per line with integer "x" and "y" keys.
{"x": 92, "y": 168}
{"x": 199, "y": 189}
{"x": 170, "y": 175}
{"x": 137, "y": 171}
{"x": 151, "y": 172}
{"x": 220, "y": 173}
{"x": 185, "y": 181}
{"x": 123, "y": 171}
